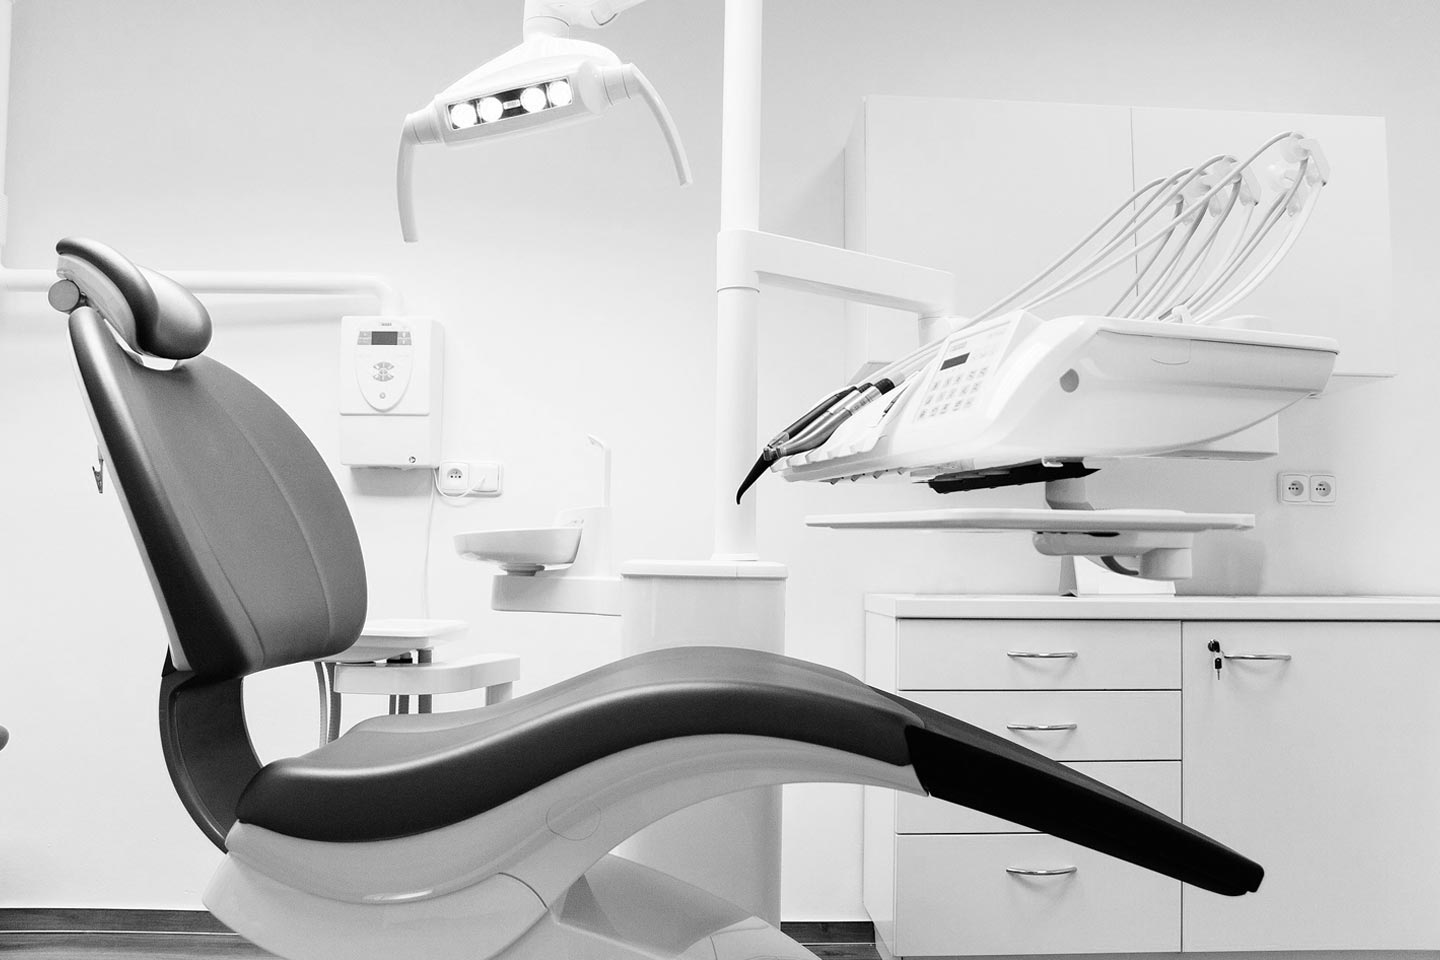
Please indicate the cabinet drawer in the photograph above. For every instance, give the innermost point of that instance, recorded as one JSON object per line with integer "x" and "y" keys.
{"x": 1107, "y": 725}
{"x": 1156, "y": 783}
{"x": 955, "y": 897}
{"x": 991, "y": 655}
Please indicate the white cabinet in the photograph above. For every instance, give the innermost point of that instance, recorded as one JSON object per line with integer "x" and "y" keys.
{"x": 1325, "y": 768}
{"x": 1102, "y": 696}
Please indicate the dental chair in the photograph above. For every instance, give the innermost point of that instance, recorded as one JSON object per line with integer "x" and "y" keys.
{"x": 481, "y": 833}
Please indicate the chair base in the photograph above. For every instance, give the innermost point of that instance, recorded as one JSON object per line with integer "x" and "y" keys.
{"x": 619, "y": 910}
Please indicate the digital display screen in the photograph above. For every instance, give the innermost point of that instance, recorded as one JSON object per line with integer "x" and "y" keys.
{"x": 384, "y": 338}
{"x": 954, "y": 361}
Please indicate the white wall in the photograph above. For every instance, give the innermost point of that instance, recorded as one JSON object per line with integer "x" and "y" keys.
{"x": 261, "y": 134}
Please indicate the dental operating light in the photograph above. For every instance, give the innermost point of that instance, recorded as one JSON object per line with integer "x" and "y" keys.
{"x": 548, "y": 80}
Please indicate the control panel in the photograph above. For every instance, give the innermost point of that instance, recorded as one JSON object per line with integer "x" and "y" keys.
{"x": 384, "y": 360}
{"x": 966, "y": 366}
{"x": 391, "y": 390}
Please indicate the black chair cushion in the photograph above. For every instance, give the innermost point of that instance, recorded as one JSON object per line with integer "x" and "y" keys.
{"x": 398, "y": 776}
{"x": 247, "y": 538}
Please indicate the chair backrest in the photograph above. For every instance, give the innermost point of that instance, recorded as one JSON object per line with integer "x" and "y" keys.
{"x": 248, "y": 541}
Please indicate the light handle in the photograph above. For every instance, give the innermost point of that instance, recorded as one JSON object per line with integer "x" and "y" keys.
{"x": 633, "y": 83}
{"x": 405, "y": 184}
{"x": 420, "y": 127}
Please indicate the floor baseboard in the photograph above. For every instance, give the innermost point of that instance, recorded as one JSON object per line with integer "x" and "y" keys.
{"x": 829, "y": 931}
{"x": 89, "y": 920}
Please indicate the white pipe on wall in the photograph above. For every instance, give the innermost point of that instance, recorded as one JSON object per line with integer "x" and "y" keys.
{"x": 387, "y": 298}
{"x": 738, "y": 307}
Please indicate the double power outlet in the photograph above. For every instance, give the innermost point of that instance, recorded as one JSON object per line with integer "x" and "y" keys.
{"x": 1306, "y": 488}
{"x": 468, "y": 478}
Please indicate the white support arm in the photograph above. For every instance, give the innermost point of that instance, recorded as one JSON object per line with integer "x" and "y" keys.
{"x": 746, "y": 258}
{"x": 589, "y": 14}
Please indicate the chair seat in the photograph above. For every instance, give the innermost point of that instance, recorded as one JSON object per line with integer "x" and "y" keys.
{"x": 404, "y": 775}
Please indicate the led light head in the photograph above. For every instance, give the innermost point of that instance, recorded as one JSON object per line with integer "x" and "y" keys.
{"x": 463, "y": 115}
{"x": 559, "y": 94}
{"x": 547, "y": 81}
{"x": 533, "y": 100}
{"x": 490, "y": 109}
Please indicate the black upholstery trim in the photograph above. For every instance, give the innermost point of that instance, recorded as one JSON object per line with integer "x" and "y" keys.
{"x": 207, "y": 747}
{"x": 963, "y": 764}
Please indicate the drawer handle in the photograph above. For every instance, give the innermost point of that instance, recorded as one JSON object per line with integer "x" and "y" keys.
{"x": 1256, "y": 656}
{"x": 1057, "y": 655}
{"x": 1032, "y": 872}
{"x": 1041, "y": 726}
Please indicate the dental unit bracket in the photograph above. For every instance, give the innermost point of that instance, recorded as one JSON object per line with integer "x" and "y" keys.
{"x": 746, "y": 258}
{"x": 1162, "y": 540}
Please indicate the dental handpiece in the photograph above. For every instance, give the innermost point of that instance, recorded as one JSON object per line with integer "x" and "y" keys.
{"x": 825, "y": 426}
{"x": 767, "y": 455}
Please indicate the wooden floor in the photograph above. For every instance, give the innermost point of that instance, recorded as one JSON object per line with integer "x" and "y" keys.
{"x": 201, "y": 946}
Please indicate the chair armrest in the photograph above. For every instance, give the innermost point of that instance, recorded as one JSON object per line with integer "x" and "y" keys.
{"x": 418, "y": 679}
{"x": 383, "y": 639}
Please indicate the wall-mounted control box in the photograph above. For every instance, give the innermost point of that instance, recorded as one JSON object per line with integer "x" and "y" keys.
{"x": 392, "y": 382}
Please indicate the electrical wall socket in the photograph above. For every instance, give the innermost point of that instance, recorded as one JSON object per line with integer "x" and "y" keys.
{"x": 468, "y": 478}
{"x": 1294, "y": 488}
{"x": 1306, "y": 487}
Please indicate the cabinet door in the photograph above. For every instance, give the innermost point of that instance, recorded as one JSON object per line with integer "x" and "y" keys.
{"x": 1324, "y": 768}
{"x": 965, "y": 895}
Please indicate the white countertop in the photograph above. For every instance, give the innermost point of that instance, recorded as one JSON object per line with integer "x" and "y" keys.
{"x": 1038, "y": 607}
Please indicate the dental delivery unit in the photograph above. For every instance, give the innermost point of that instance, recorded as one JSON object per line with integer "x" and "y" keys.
{"x": 1009, "y": 397}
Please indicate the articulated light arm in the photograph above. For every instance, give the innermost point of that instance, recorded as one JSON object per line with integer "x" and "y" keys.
{"x": 588, "y": 14}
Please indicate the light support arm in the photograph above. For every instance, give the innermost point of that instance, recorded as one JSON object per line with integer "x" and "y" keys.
{"x": 558, "y": 17}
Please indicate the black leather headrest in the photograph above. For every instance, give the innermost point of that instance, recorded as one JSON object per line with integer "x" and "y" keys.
{"x": 153, "y": 314}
